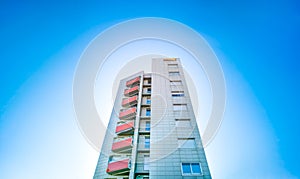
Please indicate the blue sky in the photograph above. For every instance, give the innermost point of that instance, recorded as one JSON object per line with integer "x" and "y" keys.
{"x": 258, "y": 38}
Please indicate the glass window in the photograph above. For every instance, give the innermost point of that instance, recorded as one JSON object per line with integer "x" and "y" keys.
{"x": 146, "y": 162}
{"x": 110, "y": 159}
{"x": 148, "y": 112}
{"x": 173, "y": 65}
{"x": 179, "y": 107}
{"x": 147, "y": 142}
{"x": 183, "y": 122}
{"x": 114, "y": 158}
{"x": 147, "y": 128}
{"x": 191, "y": 168}
{"x": 147, "y": 81}
{"x": 148, "y": 90}
{"x": 176, "y": 83}
{"x": 148, "y": 101}
{"x": 186, "y": 169}
{"x": 196, "y": 168}
{"x": 177, "y": 93}
{"x": 186, "y": 143}
{"x": 174, "y": 73}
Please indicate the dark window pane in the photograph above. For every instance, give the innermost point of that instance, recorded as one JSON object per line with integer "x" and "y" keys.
{"x": 196, "y": 168}
{"x": 147, "y": 142}
{"x": 148, "y": 112}
{"x": 148, "y": 101}
{"x": 147, "y": 126}
{"x": 186, "y": 168}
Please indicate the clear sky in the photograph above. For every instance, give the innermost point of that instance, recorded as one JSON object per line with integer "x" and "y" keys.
{"x": 258, "y": 41}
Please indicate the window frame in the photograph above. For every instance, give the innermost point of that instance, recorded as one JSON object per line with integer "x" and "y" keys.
{"x": 174, "y": 73}
{"x": 148, "y": 100}
{"x": 176, "y": 83}
{"x": 185, "y": 143}
{"x": 147, "y": 128}
{"x": 176, "y": 94}
{"x": 191, "y": 169}
{"x": 148, "y": 112}
{"x": 177, "y": 121}
{"x": 148, "y": 91}
{"x": 147, "y": 142}
{"x": 182, "y": 108}
{"x": 173, "y": 65}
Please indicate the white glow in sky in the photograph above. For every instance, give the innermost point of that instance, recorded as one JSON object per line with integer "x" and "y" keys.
{"x": 117, "y": 66}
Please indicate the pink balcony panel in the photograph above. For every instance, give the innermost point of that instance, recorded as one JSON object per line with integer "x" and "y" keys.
{"x": 128, "y": 113}
{"x": 131, "y": 91}
{"x": 122, "y": 145}
{"x": 133, "y": 81}
{"x": 129, "y": 101}
{"x": 126, "y": 127}
{"x": 119, "y": 167}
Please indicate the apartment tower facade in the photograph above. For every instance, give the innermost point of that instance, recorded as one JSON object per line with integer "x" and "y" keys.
{"x": 152, "y": 132}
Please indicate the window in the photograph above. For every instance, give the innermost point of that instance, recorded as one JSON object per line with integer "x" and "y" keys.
{"x": 110, "y": 159}
{"x": 177, "y": 93}
{"x": 179, "y": 107}
{"x": 187, "y": 143}
{"x": 196, "y": 168}
{"x": 186, "y": 168}
{"x": 117, "y": 139}
{"x": 114, "y": 158}
{"x": 183, "y": 122}
{"x": 173, "y": 65}
{"x": 148, "y": 101}
{"x": 174, "y": 73}
{"x": 146, "y": 162}
{"x": 148, "y": 112}
{"x": 176, "y": 83}
{"x": 147, "y": 81}
{"x": 147, "y": 142}
{"x": 191, "y": 168}
{"x": 147, "y": 128}
{"x": 148, "y": 90}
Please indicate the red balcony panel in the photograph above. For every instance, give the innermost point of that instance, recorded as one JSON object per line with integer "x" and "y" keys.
{"x": 133, "y": 81}
{"x": 125, "y": 127}
{"x": 118, "y": 167}
{"x": 122, "y": 145}
{"x": 131, "y": 91}
{"x": 129, "y": 101}
{"x": 128, "y": 113}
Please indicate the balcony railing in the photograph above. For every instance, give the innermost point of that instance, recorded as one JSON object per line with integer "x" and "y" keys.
{"x": 129, "y": 113}
{"x": 125, "y": 128}
{"x": 123, "y": 145}
{"x": 118, "y": 167}
{"x": 131, "y": 91}
{"x": 133, "y": 81}
{"x": 129, "y": 101}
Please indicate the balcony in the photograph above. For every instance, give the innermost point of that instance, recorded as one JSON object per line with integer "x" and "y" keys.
{"x": 127, "y": 114}
{"x": 126, "y": 128}
{"x": 122, "y": 146}
{"x": 129, "y": 101}
{"x": 131, "y": 91}
{"x": 133, "y": 81}
{"x": 119, "y": 167}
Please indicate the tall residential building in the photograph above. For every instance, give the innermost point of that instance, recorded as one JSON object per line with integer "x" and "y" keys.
{"x": 152, "y": 131}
